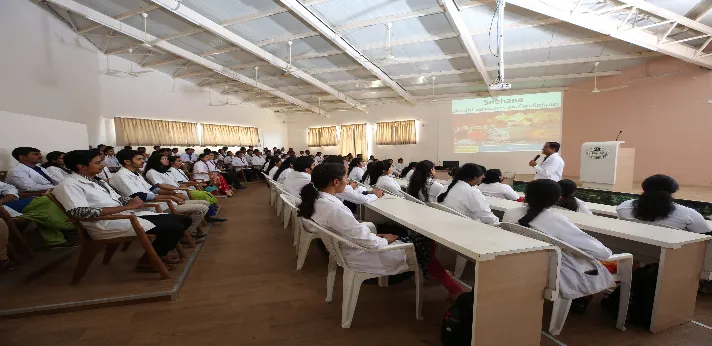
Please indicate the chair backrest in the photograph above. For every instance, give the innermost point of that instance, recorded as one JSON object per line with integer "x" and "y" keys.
{"x": 292, "y": 201}
{"x": 412, "y": 199}
{"x": 534, "y": 234}
{"x": 445, "y": 209}
{"x": 83, "y": 234}
{"x": 332, "y": 242}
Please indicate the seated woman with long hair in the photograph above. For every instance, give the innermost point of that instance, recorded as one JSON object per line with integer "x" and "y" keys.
{"x": 492, "y": 186}
{"x": 55, "y": 165}
{"x": 175, "y": 170}
{"x": 274, "y": 164}
{"x": 321, "y": 205}
{"x": 657, "y": 205}
{"x": 580, "y": 277}
{"x": 356, "y": 170}
{"x": 213, "y": 176}
{"x": 463, "y": 196}
{"x": 422, "y": 183}
{"x": 408, "y": 171}
{"x": 381, "y": 175}
{"x": 281, "y": 174}
{"x": 568, "y": 199}
{"x": 366, "y": 179}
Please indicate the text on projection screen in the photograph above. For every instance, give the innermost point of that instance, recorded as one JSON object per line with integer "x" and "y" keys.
{"x": 508, "y": 123}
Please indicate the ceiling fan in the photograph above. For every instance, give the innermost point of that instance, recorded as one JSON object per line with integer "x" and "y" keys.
{"x": 220, "y": 104}
{"x": 145, "y": 43}
{"x": 389, "y": 48}
{"x": 111, "y": 72}
{"x": 595, "y": 83}
{"x": 290, "y": 68}
{"x": 133, "y": 73}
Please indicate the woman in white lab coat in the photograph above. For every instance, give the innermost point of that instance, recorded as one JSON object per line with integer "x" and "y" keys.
{"x": 422, "y": 184}
{"x": 492, "y": 186}
{"x": 657, "y": 205}
{"x": 356, "y": 169}
{"x": 321, "y": 205}
{"x": 463, "y": 196}
{"x": 580, "y": 277}
{"x": 381, "y": 174}
{"x": 85, "y": 198}
{"x": 299, "y": 176}
{"x": 568, "y": 201}
{"x": 274, "y": 164}
{"x": 407, "y": 172}
{"x": 176, "y": 172}
{"x": 55, "y": 165}
{"x": 281, "y": 174}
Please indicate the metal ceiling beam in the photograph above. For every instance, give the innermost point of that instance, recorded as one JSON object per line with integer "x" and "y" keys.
{"x": 123, "y": 16}
{"x": 303, "y": 12}
{"x": 137, "y": 34}
{"x": 619, "y": 29}
{"x": 520, "y": 80}
{"x": 458, "y": 23}
{"x": 188, "y": 14}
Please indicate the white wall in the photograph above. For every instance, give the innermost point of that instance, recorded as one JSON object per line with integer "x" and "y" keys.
{"x": 435, "y": 136}
{"x": 47, "y": 71}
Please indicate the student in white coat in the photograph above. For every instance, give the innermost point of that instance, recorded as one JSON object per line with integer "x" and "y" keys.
{"x": 398, "y": 167}
{"x": 408, "y": 171}
{"x": 55, "y": 165}
{"x": 28, "y": 176}
{"x": 85, "y": 198}
{"x": 657, "y": 205}
{"x": 257, "y": 160}
{"x": 354, "y": 194}
{"x": 318, "y": 158}
{"x": 129, "y": 183}
{"x": 492, "y": 186}
{"x": 356, "y": 169}
{"x": 274, "y": 164}
{"x": 422, "y": 183}
{"x": 178, "y": 174}
{"x": 299, "y": 176}
{"x": 463, "y": 196}
{"x": 381, "y": 175}
{"x": 579, "y": 277}
{"x": 281, "y": 174}
{"x": 111, "y": 162}
{"x": 553, "y": 165}
{"x": 321, "y": 205}
{"x": 568, "y": 199}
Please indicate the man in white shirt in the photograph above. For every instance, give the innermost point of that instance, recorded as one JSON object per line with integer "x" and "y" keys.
{"x": 300, "y": 176}
{"x": 28, "y": 176}
{"x": 553, "y": 165}
{"x": 174, "y": 152}
{"x": 257, "y": 160}
{"x": 398, "y": 167}
{"x": 318, "y": 158}
{"x": 110, "y": 160}
{"x": 189, "y": 155}
{"x": 240, "y": 163}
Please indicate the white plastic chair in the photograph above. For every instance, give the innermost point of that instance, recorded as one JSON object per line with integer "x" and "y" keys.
{"x": 460, "y": 261}
{"x": 561, "y": 305}
{"x": 272, "y": 191}
{"x": 353, "y": 279}
{"x": 278, "y": 204}
{"x": 290, "y": 213}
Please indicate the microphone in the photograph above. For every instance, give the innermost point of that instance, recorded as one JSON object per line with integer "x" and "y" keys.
{"x": 537, "y": 157}
{"x": 619, "y": 134}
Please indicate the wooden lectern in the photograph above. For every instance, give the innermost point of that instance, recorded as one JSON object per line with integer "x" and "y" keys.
{"x": 607, "y": 166}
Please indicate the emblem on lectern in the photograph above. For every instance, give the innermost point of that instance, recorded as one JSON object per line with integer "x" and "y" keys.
{"x": 597, "y": 153}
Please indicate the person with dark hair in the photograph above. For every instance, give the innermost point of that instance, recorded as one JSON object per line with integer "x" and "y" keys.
{"x": 222, "y": 154}
{"x": 258, "y": 162}
{"x": 398, "y": 167}
{"x": 128, "y": 147}
{"x": 462, "y": 196}
{"x": 28, "y": 176}
{"x": 579, "y": 277}
{"x": 422, "y": 183}
{"x": 174, "y": 152}
{"x": 206, "y": 171}
{"x": 299, "y": 176}
{"x": 356, "y": 170}
{"x": 189, "y": 155}
{"x": 381, "y": 174}
{"x": 492, "y": 186}
{"x": 568, "y": 200}
{"x": 86, "y": 198}
{"x": 408, "y": 171}
{"x": 110, "y": 160}
{"x": 274, "y": 164}
{"x": 142, "y": 150}
{"x": 320, "y": 204}
{"x": 55, "y": 165}
{"x": 354, "y": 194}
{"x": 156, "y": 147}
{"x": 657, "y": 205}
{"x": 553, "y": 165}
{"x": 366, "y": 179}
{"x": 281, "y": 174}
{"x": 318, "y": 158}
{"x": 372, "y": 159}
{"x": 101, "y": 147}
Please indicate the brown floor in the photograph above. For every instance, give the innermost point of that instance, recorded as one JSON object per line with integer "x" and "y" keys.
{"x": 243, "y": 290}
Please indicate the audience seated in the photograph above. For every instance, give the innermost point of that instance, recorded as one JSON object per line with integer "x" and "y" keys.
{"x": 656, "y": 205}
{"x": 55, "y": 165}
{"x": 408, "y": 171}
{"x": 281, "y": 174}
{"x": 202, "y": 172}
{"x": 568, "y": 201}
{"x": 353, "y": 193}
{"x": 28, "y": 176}
{"x": 129, "y": 183}
{"x": 422, "y": 183}
{"x": 579, "y": 277}
{"x": 274, "y": 164}
{"x": 464, "y": 198}
{"x": 5, "y": 263}
{"x": 318, "y": 158}
{"x": 398, "y": 167}
{"x": 189, "y": 155}
{"x": 492, "y": 186}
{"x": 111, "y": 162}
{"x": 356, "y": 169}
{"x": 299, "y": 176}
{"x": 85, "y": 197}
{"x": 381, "y": 175}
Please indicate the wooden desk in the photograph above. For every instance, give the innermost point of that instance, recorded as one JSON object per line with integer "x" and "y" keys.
{"x": 679, "y": 253}
{"x": 510, "y": 270}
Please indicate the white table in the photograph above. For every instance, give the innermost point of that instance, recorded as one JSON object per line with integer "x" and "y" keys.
{"x": 680, "y": 255}
{"x": 510, "y": 270}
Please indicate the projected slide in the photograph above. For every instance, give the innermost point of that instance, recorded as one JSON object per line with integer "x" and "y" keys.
{"x": 508, "y": 123}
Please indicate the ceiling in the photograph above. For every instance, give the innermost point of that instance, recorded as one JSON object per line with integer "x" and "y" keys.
{"x": 428, "y": 57}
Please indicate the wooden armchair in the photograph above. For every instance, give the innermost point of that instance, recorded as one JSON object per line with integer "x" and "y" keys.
{"x": 91, "y": 247}
{"x": 29, "y": 194}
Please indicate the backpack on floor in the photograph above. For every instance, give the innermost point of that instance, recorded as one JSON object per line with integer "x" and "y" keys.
{"x": 456, "y": 329}
{"x": 642, "y": 295}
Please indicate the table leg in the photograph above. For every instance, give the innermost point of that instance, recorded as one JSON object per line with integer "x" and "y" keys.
{"x": 509, "y": 299}
{"x": 676, "y": 290}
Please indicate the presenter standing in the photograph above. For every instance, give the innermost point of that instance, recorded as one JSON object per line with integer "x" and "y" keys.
{"x": 553, "y": 165}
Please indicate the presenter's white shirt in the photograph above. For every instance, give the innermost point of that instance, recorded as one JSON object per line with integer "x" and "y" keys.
{"x": 295, "y": 181}
{"x": 470, "y": 202}
{"x": 356, "y": 173}
{"x": 551, "y": 168}
{"x": 681, "y": 218}
{"x": 331, "y": 213}
{"x": 499, "y": 190}
{"x": 574, "y": 282}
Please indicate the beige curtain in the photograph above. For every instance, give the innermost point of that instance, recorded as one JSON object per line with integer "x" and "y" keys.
{"x": 395, "y": 132}
{"x": 346, "y": 141}
{"x": 131, "y": 131}
{"x": 360, "y": 139}
{"x": 321, "y": 136}
{"x": 230, "y": 135}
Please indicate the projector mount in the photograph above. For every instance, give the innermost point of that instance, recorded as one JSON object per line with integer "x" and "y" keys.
{"x": 499, "y": 84}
